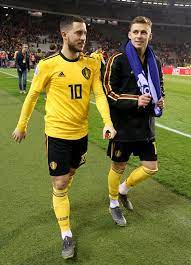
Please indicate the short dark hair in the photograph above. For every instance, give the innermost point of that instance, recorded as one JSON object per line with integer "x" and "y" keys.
{"x": 140, "y": 20}
{"x": 68, "y": 21}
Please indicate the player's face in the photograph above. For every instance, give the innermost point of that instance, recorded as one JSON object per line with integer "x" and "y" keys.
{"x": 76, "y": 37}
{"x": 140, "y": 34}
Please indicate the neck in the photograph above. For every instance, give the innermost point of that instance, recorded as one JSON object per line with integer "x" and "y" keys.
{"x": 141, "y": 54}
{"x": 69, "y": 54}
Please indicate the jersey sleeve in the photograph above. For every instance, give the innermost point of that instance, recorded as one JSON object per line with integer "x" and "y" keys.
{"x": 39, "y": 82}
{"x": 100, "y": 98}
{"x": 27, "y": 109}
{"x": 40, "y": 78}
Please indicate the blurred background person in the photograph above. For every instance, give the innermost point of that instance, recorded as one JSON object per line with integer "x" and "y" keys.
{"x": 23, "y": 65}
{"x": 52, "y": 49}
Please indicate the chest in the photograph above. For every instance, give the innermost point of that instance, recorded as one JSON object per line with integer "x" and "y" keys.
{"x": 127, "y": 80}
{"x": 72, "y": 74}
{"x": 72, "y": 80}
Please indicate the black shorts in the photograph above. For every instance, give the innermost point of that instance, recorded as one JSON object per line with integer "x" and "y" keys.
{"x": 121, "y": 151}
{"x": 65, "y": 154}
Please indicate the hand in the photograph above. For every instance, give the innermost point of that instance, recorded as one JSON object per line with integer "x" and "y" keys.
{"x": 160, "y": 103}
{"x": 18, "y": 136}
{"x": 109, "y": 132}
{"x": 144, "y": 100}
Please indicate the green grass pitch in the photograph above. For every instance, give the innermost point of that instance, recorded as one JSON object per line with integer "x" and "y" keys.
{"x": 158, "y": 231}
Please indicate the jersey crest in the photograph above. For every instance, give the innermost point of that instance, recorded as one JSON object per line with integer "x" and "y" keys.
{"x": 86, "y": 73}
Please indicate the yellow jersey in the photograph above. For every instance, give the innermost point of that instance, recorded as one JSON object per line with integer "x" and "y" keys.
{"x": 97, "y": 55}
{"x": 68, "y": 84}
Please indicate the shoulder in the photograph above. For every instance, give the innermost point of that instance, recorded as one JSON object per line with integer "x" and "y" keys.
{"x": 47, "y": 64}
{"x": 158, "y": 61}
{"x": 51, "y": 57}
{"x": 88, "y": 60}
{"x": 116, "y": 58}
{"x": 49, "y": 61}
{"x": 18, "y": 53}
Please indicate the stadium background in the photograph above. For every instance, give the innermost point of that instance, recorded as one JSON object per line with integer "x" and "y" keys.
{"x": 158, "y": 231}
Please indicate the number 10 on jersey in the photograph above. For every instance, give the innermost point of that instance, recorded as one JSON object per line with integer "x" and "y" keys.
{"x": 76, "y": 91}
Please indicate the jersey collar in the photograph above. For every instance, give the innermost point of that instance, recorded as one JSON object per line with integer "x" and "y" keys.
{"x": 69, "y": 60}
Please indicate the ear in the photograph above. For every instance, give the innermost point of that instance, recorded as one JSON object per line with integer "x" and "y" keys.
{"x": 151, "y": 36}
{"x": 63, "y": 33}
{"x": 129, "y": 35}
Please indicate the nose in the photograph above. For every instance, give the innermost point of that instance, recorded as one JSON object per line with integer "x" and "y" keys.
{"x": 83, "y": 37}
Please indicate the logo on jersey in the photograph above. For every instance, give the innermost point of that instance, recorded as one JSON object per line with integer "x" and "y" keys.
{"x": 86, "y": 73}
{"x": 53, "y": 165}
{"x": 61, "y": 74}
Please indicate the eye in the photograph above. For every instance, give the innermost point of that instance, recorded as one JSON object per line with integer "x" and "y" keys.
{"x": 81, "y": 32}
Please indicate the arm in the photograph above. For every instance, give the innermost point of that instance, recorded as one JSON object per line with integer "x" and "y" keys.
{"x": 28, "y": 62}
{"x": 20, "y": 131}
{"x": 161, "y": 78}
{"x": 102, "y": 104}
{"x": 27, "y": 109}
{"x": 40, "y": 80}
{"x": 17, "y": 61}
{"x": 112, "y": 84}
{"x": 102, "y": 59}
{"x": 161, "y": 101}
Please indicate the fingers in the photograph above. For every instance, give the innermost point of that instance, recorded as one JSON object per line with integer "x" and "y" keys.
{"x": 15, "y": 137}
{"x": 18, "y": 137}
{"x": 160, "y": 103}
{"x": 109, "y": 132}
{"x": 113, "y": 133}
{"x": 144, "y": 100}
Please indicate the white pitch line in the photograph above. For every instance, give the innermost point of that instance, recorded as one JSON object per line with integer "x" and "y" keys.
{"x": 173, "y": 130}
{"x": 13, "y": 75}
{"x": 166, "y": 128}
{"x": 157, "y": 124}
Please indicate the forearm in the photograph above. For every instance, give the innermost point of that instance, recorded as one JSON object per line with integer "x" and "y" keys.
{"x": 27, "y": 110}
{"x": 103, "y": 108}
{"x": 125, "y": 101}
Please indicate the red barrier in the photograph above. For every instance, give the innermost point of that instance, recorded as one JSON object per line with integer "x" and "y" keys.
{"x": 168, "y": 70}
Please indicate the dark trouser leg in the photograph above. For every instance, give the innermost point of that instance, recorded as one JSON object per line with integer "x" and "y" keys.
{"x": 24, "y": 80}
{"x": 20, "y": 79}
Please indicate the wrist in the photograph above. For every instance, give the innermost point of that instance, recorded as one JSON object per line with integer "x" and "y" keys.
{"x": 109, "y": 124}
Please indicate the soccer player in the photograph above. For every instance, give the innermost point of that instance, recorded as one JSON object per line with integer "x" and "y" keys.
{"x": 134, "y": 86}
{"x": 98, "y": 54}
{"x": 68, "y": 79}
{"x": 23, "y": 65}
